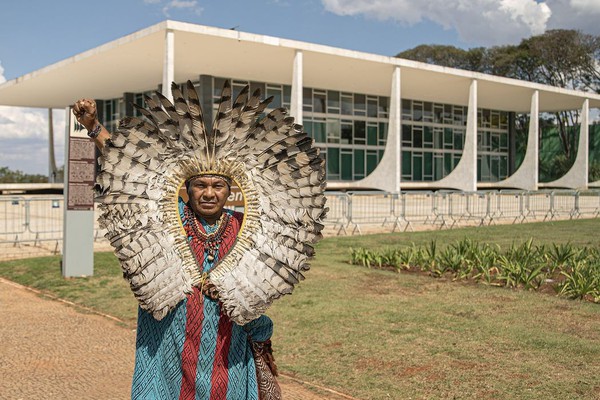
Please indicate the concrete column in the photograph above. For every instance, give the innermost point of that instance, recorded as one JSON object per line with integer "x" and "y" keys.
{"x": 526, "y": 177}
{"x": 297, "y": 88}
{"x": 577, "y": 176}
{"x": 464, "y": 176}
{"x": 387, "y": 174}
{"x": 168, "y": 64}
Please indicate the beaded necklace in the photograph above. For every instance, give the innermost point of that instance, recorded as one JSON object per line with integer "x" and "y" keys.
{"x": 211, "y": 240}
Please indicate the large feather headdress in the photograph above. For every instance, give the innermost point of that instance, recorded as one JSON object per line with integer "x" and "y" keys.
{"x": 275, "y": 164}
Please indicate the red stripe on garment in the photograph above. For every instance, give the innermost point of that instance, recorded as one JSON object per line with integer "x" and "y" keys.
{"x": 191, "y": 345}
{"x": 220, "y": 374}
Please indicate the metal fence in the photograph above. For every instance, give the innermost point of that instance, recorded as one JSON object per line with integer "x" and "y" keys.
{"x": 358, "y": 212}
{"x": 38, "y": 220}
{"x": 32, "y": 222}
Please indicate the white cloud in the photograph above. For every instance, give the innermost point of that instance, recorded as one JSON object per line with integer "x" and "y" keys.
{"x": 24, "y": 137}
{"x": 178, "y": 5}
{"x": 480, "y": 22}
{"x": 533, "y": 15}
{"x": 586, "y": 6}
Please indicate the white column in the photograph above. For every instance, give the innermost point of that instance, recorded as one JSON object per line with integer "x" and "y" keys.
{"x": 577, "y": 176}
{"x": 526, "y": 177}
{"x": 388, "y": 172}
{"x": 297, "y": 88}
{"x": 395, "y": 128}
{"x": 168, "y": 64}
{"x": 464, "y": 176}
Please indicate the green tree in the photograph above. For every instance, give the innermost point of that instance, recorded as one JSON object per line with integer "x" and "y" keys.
{"x": 9, "y": 176}
{"x": 563, "y": 58}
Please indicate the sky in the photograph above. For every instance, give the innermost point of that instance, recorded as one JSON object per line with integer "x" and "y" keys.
{"x": 38, "y": 33}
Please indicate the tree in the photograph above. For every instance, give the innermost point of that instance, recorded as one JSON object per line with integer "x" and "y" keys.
{"x": 562, "y": 58}
{"x": 9, "y": 176}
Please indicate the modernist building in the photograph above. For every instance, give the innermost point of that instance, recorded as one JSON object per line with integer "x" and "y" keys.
{"x": 382, "y": 122}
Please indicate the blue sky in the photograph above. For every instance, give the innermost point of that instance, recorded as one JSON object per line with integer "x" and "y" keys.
{"x": 37, "y": 33}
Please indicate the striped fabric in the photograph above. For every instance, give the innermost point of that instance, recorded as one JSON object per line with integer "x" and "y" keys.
{"x": 196, "y": 352}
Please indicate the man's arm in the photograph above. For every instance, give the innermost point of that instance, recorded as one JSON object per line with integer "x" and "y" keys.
{"x": 86, "y": 113}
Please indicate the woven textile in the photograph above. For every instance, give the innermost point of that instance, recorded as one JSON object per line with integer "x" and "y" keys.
{"x": 196, "y": 352}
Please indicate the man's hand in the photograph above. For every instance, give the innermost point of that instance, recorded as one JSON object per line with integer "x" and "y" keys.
{"x": 86, "y": 113}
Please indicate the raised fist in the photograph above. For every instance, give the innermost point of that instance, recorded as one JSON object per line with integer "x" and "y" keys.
{"x": 86, "y": 113}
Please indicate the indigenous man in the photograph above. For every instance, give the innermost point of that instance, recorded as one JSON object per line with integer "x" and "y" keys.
{"x": 196, "y": 351}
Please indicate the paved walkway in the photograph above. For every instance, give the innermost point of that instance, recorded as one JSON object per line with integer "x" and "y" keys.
{"x": 51, "y": 350}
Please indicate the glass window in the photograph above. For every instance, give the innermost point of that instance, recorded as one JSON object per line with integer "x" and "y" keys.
{"x": 383, "y": 131}
{"x": 407, "y": 165}
{"x": 438, "y": 113}
{"x": 333, "y": 131}
{"x": 347, "y": 165}
{"x": 307, "y": 100}
{"x": 347, "y": 106}
{"x": 360, "y": 134}
{"x": 372, "y": 107}
{"x": 407, "y": 135}
{"x": 495, "y": 143}
{"x": 383, "y": 107}
{"x": 438, "y": 138}
{"x": 372, "y": 135}
{"x": 319, "y": 131}
{"x": 427, "y": 166}
{"x": 372, "y": 161}
{"x": 417, "y": 172}
{"x": 277, "y": 94}
{"x": 448, "y": 138}
{"x": 503, "y": 173}
{"x": 308, "y": 127}
{"x": 458, "y": 139}
{"x": 448, "y": 166}
{"x": 333, "y": 163}
{"x": 407, "y": 110}
{"x": 428, "y": 137}
{"x": 417, "y": 111}
{"x": 287, "y": 95}
{"x": 438, "y": 161}
{"x": 417, "y": 137}
{"x": 360, "y": 104}
{"x": 359, "y": 163}
{"x": 333, "y": 102}
{"x": 503, "y": 141}
{"x": 346, "y": 132}
{"x": 319, "y": 99}
{"x": 427, "y": 112}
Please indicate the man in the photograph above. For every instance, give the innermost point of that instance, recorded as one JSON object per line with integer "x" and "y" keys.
{"x": 196, "y": 351}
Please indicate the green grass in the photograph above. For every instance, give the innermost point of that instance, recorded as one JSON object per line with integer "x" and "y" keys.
{"x": 378, "y": 335}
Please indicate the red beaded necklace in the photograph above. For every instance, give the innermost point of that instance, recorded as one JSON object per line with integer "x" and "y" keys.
{"x": 211, "y": 240}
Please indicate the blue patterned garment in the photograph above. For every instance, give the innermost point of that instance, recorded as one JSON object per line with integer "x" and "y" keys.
{"x": 196, "y": 352}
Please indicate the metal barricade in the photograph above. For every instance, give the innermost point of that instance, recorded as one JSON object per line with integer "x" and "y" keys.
{"x": 369, "y": 208}
{"x": 45, "y": 218}
{"x": 442, "y": 207}
{"x": 469, "y": 206}
{"x": 563, "y": 203}
{"x": 337, "y": 216}
{"x": 13, "y": 218}
{"x": 538, "y": 204}
{"x": 510, "y": 204}
{"x": 588, "y": 203}
{"x": 417, "y": 208}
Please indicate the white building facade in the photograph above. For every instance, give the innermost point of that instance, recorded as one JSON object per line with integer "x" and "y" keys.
{"x": 382, "y": 122}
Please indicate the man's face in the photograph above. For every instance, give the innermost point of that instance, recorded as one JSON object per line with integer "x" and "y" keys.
{"x": 208, "y": 196}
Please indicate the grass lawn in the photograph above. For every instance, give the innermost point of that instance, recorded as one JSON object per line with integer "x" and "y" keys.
{"x": 382, "y": 335}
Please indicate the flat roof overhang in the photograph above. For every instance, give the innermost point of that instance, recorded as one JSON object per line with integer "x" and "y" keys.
{"x": 134, "y": 63}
